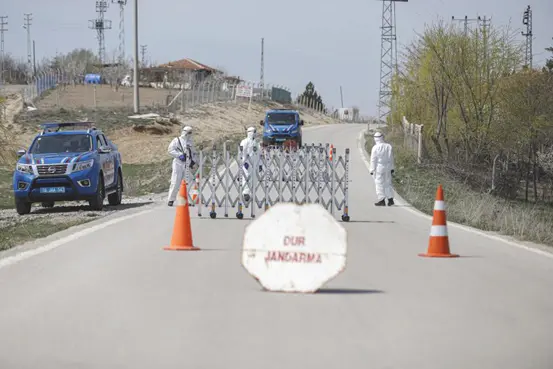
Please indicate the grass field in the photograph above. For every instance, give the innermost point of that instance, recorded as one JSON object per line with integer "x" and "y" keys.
{"x": 417, "y": 185}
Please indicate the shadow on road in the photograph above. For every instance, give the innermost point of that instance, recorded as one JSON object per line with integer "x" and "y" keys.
{"x": 371, "y": 221}
{"x": 346, "y": 291}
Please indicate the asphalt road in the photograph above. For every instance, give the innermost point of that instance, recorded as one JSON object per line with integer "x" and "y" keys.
{"x": 112, "y": 298}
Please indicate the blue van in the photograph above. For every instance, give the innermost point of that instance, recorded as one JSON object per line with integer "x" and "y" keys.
{"x": 280, "y": 126}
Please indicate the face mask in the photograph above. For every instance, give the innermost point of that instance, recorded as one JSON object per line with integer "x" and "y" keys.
{"x": 251, "y": 135}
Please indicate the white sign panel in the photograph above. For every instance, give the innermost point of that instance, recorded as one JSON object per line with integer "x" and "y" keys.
{"x": 294, "y": 248}
{"x": 243, "y": 90}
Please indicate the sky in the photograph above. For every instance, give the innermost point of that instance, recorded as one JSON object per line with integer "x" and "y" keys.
{"x": 333, "y": 44}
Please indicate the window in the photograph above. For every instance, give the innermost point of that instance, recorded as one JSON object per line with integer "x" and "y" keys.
{"x": 101, "y": 141}
{"x": 58, "y": 144}
{"x": 281, "y": 118}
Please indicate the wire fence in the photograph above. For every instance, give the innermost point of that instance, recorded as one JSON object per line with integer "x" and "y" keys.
{"x": 67, "y": 89}
{"x": 63, "y": 89}
{"x": 504, "y": 174}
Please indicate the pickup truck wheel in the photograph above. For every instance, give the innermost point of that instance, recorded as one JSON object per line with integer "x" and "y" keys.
{"x": 22, "y": 207}
{"x": 97, "y": 203}
{"x": 116, "y": 197}
{"x": 49, "y": 204}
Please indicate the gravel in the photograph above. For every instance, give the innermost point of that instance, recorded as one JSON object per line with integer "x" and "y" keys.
{"x": 65, "y": 212}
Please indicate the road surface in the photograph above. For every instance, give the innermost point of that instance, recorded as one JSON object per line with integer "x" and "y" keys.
{"x": 113, "y": 298}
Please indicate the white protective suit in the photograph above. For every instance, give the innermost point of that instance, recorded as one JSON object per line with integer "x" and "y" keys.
{"x": 250, "y": 158}
{"x": 382, "y": 165}
{"x": 180, "y": 146}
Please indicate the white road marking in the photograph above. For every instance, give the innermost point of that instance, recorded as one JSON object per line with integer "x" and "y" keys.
{"x": 362, "y": 152}
{"x": 10, "y": 260}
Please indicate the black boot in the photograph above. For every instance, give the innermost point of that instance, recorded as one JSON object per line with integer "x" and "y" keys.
{"x": 380, "y": 203}
{"x": 391, "y": 202}
{"x": 170, "y": 203}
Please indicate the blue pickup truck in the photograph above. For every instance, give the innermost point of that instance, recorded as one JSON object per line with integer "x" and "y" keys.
{"x": 68, "y": 162}
{"x": 282, "y": 126}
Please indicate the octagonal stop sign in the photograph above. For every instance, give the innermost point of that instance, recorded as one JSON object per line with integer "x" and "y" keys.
{"x": 294, "y": 248}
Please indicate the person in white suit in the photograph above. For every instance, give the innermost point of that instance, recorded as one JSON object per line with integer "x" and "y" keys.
{"x": 249, "y": 157}
{"x": 184, "y": 157}
{"x": 381, "y": 168}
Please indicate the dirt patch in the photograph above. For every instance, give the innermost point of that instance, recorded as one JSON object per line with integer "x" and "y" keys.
{"x": 101, "y": 96}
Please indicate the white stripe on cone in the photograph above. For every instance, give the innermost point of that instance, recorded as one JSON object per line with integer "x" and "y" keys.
{"x": 438, "y": 231}
{"x": 439, "y": 205}
{"x": 181, "y": 201}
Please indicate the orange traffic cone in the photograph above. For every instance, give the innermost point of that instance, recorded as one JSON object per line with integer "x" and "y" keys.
{"x": 331, "y": 150}
{"x": 182, "y": 231}
{"x": 438, "y": 245}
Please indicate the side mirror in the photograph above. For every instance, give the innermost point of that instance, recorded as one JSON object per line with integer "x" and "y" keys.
{"x": 104, "y": 149}
{"x": 21, "y": 152}
{"x": 301, "y": 122}
{"x": 261, "y": 123}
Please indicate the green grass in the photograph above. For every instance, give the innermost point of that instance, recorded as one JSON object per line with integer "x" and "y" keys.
{"x": 417, "y": 185}
{"x": 19, "y": 233}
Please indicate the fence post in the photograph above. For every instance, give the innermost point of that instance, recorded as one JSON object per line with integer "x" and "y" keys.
{"x": 419, "y": 149}
{"x": 493, "y": 172}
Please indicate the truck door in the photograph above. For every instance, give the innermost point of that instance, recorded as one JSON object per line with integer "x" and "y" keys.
{"x": 107, "y": 161}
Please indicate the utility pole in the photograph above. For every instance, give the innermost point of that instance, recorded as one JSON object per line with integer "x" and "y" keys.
{"x": 100, "y": 25}
{"x": 136, "y": 96}
{"x": 3, "y": 25}
{"x": 27, "y": 26}
{"x": 527, "y": 21}
{"x": 34, "y": 58}
{"x": 466, "y": 22}
{"x": 341, "y": 96}
{"x": 143, "y": 49}
{"x": 388, "y": 58}
{"x": 262, "y": 73}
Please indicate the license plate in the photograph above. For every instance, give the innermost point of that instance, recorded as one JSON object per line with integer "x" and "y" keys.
{"x": 280, "y": 139}
{"x": 52, "y": 190}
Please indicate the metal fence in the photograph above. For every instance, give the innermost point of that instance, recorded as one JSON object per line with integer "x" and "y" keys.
{"x": 232, "y": 180}
{"x": 72, "y": 91}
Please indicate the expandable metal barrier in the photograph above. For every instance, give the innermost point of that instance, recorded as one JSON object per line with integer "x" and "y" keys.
{"x": 306, "y": 175}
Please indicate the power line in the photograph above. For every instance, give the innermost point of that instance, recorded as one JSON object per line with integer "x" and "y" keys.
{"x": 527, "y": 21}
{"x": 466, "y": 22}
{"x": 121, "y": 4}
{"x": 27, "y": 26}
{"x": 3, "y": 24}
{"x": 100, "y": 25}
{"x": 388, "y": 57}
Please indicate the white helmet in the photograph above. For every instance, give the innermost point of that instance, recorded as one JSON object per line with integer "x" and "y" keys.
{"x": 378, "y": 134}
{"x": 251, "y": 132}
{"x": 186, "y": 131}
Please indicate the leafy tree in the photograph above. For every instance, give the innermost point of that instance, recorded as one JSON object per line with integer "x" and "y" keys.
{"x": 450, "y": 83}
{"x": 77, "y": 63}
{"x": 311, "y": 98}
{"x": 549, "y": 62}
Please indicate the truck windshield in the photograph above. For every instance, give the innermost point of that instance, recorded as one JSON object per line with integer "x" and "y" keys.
{"x": 62, "y": 143}
{"x": 281, "y": 118}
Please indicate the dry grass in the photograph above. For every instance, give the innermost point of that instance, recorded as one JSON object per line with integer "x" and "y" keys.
{"x": 17, "y": 234}
{"x": 417, "y": 185}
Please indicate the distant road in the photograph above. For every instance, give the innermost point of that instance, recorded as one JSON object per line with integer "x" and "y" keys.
{"x": 113, "y": 298}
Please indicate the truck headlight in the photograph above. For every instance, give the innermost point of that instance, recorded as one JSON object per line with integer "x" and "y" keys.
{"x": 25, "y": 168}
{"x": 295, "y": 131}
{"x": 83, "y": 165}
